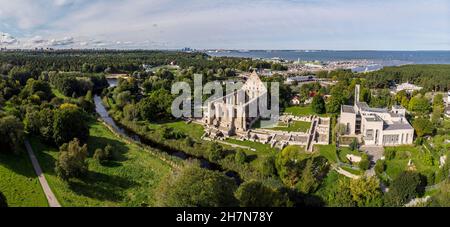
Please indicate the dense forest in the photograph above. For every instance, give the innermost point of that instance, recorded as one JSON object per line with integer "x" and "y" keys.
{"x": 430, "y": 77}
{"x": 110, "y": 61}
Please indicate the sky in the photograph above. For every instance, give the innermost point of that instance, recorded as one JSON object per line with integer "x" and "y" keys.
{"x": 226, "y": 24}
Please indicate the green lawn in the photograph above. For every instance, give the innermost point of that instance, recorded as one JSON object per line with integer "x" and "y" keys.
{"x": 327, "y": 151}
{"x": 402, "y": 157}
{"x": 344, "y": 151}
{"x": 296, "y": 126}
{"x": 299, "y": 110}
{"x": 302, "y": 111}
{"x": 260, "y": 148}
{"x": 130, "y": 180}
{"x": 19, "y": 183}
{"x": 193, "y": 130}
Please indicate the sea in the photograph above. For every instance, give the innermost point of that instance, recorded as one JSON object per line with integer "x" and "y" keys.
{"x": 378, "y": 59}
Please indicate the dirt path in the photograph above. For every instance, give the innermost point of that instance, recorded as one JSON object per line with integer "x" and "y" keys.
{"x": 51, "y": 198}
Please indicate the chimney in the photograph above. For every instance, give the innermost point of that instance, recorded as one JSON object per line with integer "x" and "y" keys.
{"x": 357, "y": 89}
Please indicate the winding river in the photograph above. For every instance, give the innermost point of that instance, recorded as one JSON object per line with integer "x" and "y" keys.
{"x": 103, "y": 113}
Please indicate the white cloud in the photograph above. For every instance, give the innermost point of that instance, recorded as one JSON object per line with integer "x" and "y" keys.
{"x": 246, "y": 24}
{"x": 7, "y": 39}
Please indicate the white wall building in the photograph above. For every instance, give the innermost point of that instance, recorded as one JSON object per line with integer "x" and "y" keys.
{"x": 409, "y": 88}
{"x": 376, "y": 126}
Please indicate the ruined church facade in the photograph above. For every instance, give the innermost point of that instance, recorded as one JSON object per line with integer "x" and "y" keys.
{"x": 236, "y": 112}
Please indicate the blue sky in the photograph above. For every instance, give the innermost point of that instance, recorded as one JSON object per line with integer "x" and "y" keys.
{"x": 227, "y": 24}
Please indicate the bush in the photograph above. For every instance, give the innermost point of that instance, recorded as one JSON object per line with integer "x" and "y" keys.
{"x": 103, "y": 155}
{"x": 215, "y": 152}
{"x": 267, "y": 166}
{"x": 256, "y": 194}
{"x": 419, "y": 141}
{"x": 364, "y": 164}
{"x": 380, "y": 167}
{"x": 389, "y": 154}
{"x": 427, "y": 159}
{"x": 430, "y": 177}
{"x": 240, "y": 157}
{"x": 109, "y": 151}
{"x": 402, "y": 155}
{"x": 71, "y": 162}
{"x": 354, "y": 145}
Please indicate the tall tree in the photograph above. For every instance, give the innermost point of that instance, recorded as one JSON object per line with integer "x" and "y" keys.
{"x": 11, "y": 134}
{"x": 256, "y": 194}
{"x": 71, "y": 161}
{"x": 69, "y": 123}
{"x": 318, "y": 105}
{"x": 193, "y": 186}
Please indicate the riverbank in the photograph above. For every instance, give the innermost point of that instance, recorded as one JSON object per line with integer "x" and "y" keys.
{"x": 130, "y": 180}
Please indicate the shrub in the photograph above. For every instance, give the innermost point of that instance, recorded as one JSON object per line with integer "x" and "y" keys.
{"x": 364, "y": 164}
{"x": 71, "y": 162}
{"x": 256, "y": 194}
{"x": 267, "y": 166}
{"x": 109, "y": 151}
{"x": 380, "y": 167}
{"x": 402, "y": 154}
{"x": 389, "y": 154}
{"x": 431, "y": 178}
{"x": 100, "y": 155}
{"x": 240, "y": 157}
{"x": 215, "y": 152}
{"x": 427, "y": 159}
{"x": 354, "y": 145}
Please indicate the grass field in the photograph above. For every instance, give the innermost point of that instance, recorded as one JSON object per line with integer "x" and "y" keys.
{"x": 299, "y": 110}
{"x": 130, "y": 180}
{"x": 327, "y": 151}
{"x": 260, "y": 148}
{"x": 295, "y": 126}
{"x": 193, "y": 130}
{"x": 19, "y": 183}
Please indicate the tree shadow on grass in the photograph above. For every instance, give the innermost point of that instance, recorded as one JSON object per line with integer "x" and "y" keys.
{"x": 251, "y": 158}
{"x": 102, "y": 187}
{"x": 47, "y": 162}
{"x": 18, "y": 163}
{"x": 119, "y": 148}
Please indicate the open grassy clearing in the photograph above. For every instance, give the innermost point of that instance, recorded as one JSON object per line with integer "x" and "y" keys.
{"x": 327, "y": 151}
{"x": 295, "y": 126}
{"x": 299, "y": 110}
{"x": 19, "y": 183}
{"x": 130, "y": 180}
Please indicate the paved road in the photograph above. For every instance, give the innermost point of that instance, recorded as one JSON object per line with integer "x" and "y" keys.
{"x": 51, "y": 198}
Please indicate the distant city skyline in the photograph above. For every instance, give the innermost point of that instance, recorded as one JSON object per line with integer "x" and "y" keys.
{"x": 231, "y": 24}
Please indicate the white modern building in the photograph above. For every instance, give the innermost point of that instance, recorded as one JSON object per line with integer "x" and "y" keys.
{"x": 376, "y": 126}
{"x": 409, "y": 88}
